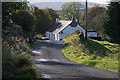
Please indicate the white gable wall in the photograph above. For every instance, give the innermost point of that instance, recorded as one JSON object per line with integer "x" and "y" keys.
{"x": 56, "y": 37}
{"x": 69, "y": 30}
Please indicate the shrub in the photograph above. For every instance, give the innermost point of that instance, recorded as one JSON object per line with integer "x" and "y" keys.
{"x": 83, "y": 54}
{"x": 22, "y": 60}
{"x": 29, "y": 72}
{"x": 98, "y": 58}
{"x": 92, "y": 63}
{"x": 19, "y": 64}
{"x": 92, "y": 57}
{"x": 25, "y": 19}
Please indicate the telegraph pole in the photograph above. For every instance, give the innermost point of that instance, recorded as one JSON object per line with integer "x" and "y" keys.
{"x": 86, "y": 21}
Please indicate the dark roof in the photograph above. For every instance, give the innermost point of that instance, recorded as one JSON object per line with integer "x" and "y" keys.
{"x": 59, "y": 26}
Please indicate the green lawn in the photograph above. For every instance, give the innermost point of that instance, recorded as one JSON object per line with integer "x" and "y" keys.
{"x": 95, "y": 53}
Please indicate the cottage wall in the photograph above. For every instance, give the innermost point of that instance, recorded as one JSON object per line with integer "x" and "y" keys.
{"x": 47, "y": 34}
{"x": 68, "y": 30}
{"x": 56, "y": 37}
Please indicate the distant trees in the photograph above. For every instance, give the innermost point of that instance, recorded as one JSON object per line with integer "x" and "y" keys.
{"x": 96, "y": 16}
{"x": 72, "y": 9}
{"x": 112, "y": 23}
{"x": 45, "y": 18}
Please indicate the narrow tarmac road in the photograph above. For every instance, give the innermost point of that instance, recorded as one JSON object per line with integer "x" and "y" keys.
{"x": 51, "y": 63}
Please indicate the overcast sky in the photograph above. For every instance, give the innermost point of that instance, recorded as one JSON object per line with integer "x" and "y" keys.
{"x": 97, "y": 1}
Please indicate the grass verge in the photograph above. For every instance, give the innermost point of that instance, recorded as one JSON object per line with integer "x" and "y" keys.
{"x": 35, "y": 43}
{"x": 102, "y": 54}
{"x": 18, "y": 63}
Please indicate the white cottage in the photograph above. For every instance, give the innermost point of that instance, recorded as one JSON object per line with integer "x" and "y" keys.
{"x": 60, "y": 29}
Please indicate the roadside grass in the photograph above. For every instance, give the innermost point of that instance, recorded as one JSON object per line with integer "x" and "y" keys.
{"x": 34, "y": 43}
{"x": 102, "y": 54}
{"x": 18, "y": 63}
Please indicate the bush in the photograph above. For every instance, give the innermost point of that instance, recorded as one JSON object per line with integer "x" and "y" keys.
{"x": 25, "y": 19}
{"x": 92, "y": 57}
{"x": 22, "y": 60}
{"x": 92, "y": 63}
{"x": 29, "y": 72}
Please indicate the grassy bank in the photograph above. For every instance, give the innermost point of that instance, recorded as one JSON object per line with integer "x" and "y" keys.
{"x": 95, "y": 53}
{"x": 18, "y": 63}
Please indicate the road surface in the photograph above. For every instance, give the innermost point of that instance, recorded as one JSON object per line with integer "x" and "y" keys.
{"x": 51, "y": 63}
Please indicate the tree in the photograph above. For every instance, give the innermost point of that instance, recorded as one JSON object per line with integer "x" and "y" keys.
{"x": 95, "y": 18}
{"x": 45, "y": 18}
{"x": 112, "y": 22}
{"x": 72, "y": 9}
{"x": 52, "y": 13}
{"x": 9, "y": 9}
{"x": 25, "y": 19}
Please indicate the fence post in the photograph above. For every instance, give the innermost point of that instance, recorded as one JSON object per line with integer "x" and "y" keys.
{"x": 11, "y": 48}
{"x": 21, "y": 43}
{"x": 27, "y": 39}
{"x": 17, "y": 46}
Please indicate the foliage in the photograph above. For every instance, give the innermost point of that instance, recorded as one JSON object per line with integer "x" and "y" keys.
{"x": 25, "y": 19}
{"x": 90, "y": 52}
{"x": 52, "y": 13}
{"x": 72, "y": 9}
{"x": 45, "y": 18}
{"x": 9, "y": 9}
{"x": 112, "y": 22}
{"x": 95, "y": 18}
{"x": 16, "y": 61}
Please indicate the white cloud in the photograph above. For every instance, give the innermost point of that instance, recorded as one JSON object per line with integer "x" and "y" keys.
{"x": 97, "y": 1}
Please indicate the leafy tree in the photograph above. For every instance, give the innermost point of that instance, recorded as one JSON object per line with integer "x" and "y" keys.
{"x": 112, "y": 22}
{"x": 25, "y": 19}
{"x": 9, "y": 9}
{"x": 72, "y": 9}
{"x": 95, "y": 18}
{"x": 52, "y": 13}
{"x": 45, "y": 18}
